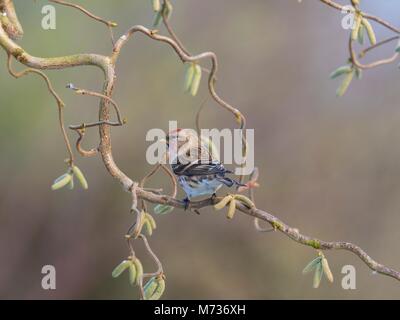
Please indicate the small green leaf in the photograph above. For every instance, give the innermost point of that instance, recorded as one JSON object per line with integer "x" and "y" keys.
{"x": 132, "y": 273}
{"x": 340, "y": 71}
{"x": 327, "y": 270}
{"x": 168, "y": 9}
{"x": 157, "y": 19}
{"x": 148, "y": 227}
{"x": 121, "y": 268}
{"x": 156, "y": 4}
{"x": 60, "y": 178}
{"x": 317, "y": 275}
{"x": 356, "y": 28}
{"x": 311, "y": 266}
{"x": 139, "y": 270}
{"x": 158, "y": 292}
{"x": 163, "y": 209}
{"x": 61, "y": 181}
{"x": 196, "y": 80}
{"x": 231, "y": 209}
{"x": 81, "y": 178}
{"x": 151, "y": 221}
{"x": 361, "y": 33}
{"x": 345, "y": 84}
{"x": 71, "y": 183}
{"x": 370, "y": 31}
{"x": 358, "y": 73}
{"x": 149, "y": 288}
{"x": 189, "y": 73}
{"x": 398, "y": 47}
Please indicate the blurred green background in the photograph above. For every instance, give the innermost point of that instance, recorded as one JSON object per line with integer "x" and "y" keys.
{"x": 330, "y": 167}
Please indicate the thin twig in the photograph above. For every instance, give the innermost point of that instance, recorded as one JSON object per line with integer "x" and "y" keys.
{"x": 86, "y": 12}
{"x": 202, "y": 105}
{"x": 102, "y": 96}
{"x": 378, "y": 44}
{"x": 171, "y": 31}
{"x": 84, "y": 153}
{"x": 60, "y": 103}
{"x": 110, "y": 24}
{"x": 355, "y": 62}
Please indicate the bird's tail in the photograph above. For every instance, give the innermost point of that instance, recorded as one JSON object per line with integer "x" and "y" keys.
{"x": 230, "y": 182}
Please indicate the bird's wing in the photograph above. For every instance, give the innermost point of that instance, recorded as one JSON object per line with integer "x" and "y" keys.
{"x": 198, "y": 168}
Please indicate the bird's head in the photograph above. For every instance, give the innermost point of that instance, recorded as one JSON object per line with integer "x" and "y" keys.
{"x": 183, "y": 144}
{"x": 180, "y": 137}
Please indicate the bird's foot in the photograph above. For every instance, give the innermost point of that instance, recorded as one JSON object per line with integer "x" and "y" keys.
{"x": 186, "y": 203}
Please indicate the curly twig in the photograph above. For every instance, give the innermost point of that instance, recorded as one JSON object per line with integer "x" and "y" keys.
{"x": 107, "y": 65}
{"x": 60, "y": 103}
{"x": 84, "y": 153}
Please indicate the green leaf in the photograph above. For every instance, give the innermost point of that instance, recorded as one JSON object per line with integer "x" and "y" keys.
{"x": 361, "y": 33}
{"x": 370, "y": 31}
{"x": 71, "y": 183}
{"x": 345, "y": 84}
{"x": 163, "y": 209}
{"x": 356, "y": 28}
{"x": 149, "y": 288}
{"x": 189, "y": 73}
{"x": 340, "y": 71}
{"x": 398, "y": 47}
{"x": 196, "y": 80}
{"x": 132, "y": 273}
{"x": 159, "y": 290}
{"x": 121, "y": 268}
{"x": 157, "y": 19}
{"x": 148, "y": 227}
{"x": 81, "y": 178}
{"x": 327, "y": 270}
{"x": 61, "y": 181}
{"x": 139, "y": 269}
{"x": 168, "y": 9}
{"x": 358, "y": 73}
{"x": 317, "y": 275}
{"x": 311, "y": 266}
{"x": 156, "y": 4}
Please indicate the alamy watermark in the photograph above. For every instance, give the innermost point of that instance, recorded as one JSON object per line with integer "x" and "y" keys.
{"x": 49, "y": 278}
{"x": 349, "y": 280}
{"x": 49, "y": 19}
{"x": 349, "y": 20}
{"x": 186, "y": 146}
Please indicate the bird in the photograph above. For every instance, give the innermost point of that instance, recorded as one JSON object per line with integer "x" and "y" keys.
{"x": 196, "y": 165}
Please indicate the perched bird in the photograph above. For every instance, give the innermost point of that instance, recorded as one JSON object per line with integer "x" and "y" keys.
{"x": 197, "y": 167}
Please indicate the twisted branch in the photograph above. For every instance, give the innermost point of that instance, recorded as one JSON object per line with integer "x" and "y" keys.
{"x": 279, "y": 225}
{"x": 107, "y": 65}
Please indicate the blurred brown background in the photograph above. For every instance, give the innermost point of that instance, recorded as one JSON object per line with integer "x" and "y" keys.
{"x": 330, "y": 167}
